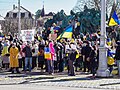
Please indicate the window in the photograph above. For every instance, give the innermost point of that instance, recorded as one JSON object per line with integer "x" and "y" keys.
{"x": 14, "y": 15}
{"x": 30, "y": 16}
{"x": 7, "y": 15}
{"x": 22, "y": 15}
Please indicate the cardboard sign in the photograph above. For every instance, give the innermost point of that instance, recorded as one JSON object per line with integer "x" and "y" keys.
{"x": 27, "y": 35}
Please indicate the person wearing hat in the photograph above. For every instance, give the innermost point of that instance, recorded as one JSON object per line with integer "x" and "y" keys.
{"x": 14, "y": 58}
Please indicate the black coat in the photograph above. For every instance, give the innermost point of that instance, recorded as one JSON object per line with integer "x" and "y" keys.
{"x": 87, "y": 51}
{"x": 93, "y": 59}
{"x": 73, "y": 55}
{"x": 1, "y": 48}
{"x": 117, "y": 53}
{"x": 28, "y": 51}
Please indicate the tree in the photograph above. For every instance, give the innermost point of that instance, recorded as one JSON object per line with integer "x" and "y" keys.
{"x": 38, "y": 13}
{"x": 89, "y": 20}
{"x": 96, "y": 4}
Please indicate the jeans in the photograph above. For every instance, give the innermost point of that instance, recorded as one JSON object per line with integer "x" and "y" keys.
{"x": 71, "y": 68}
{"x": 28, "y": 60}
{"x": 41, "y": 61}
{"x": 50, "y": 66}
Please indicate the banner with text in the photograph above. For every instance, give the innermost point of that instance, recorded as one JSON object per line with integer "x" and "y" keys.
{"x": 27, "y": 35}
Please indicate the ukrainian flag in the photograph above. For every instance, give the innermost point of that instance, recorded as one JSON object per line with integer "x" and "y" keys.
{"x": 47, "y": 54}
{"x": 67, "y": 33}
{"x": 114, "y": 20}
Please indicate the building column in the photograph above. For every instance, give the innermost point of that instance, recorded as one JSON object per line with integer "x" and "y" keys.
{"x": 103, "y": 68}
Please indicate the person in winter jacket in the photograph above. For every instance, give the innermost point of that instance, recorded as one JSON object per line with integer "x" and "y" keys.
{"x": 28, "y": 56}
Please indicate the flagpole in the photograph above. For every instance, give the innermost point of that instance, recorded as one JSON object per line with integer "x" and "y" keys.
{"x": 19, "y": 19}
{"x": 103, "y": 68}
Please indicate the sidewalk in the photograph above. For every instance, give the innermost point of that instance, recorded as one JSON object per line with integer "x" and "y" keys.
{"x": 81, "y": 80}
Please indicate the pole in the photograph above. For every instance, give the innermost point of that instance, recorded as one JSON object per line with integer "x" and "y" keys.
{"x": 103, "y": 68}
{"x": 19, "y": 19}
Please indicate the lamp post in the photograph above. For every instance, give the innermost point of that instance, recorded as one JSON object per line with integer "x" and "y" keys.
{"x": 103, "y": 68}
{"x": 19, "y": 19}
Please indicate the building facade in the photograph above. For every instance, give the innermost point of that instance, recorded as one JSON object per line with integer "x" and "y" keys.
{"x": 11, "y": 19}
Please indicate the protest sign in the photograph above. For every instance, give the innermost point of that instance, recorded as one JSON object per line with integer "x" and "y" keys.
{"x": 27, "y": 35}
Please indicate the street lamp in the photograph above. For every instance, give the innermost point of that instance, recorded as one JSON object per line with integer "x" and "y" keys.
{"x": 103, "y": 68}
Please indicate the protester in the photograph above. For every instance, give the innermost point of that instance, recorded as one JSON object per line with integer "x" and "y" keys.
{"x": 1, "y": 48}
{"x": 41, "y": 58}
{"x": 28, "y": 56}
{"x": 5, "y": 56}
{"x": 14, "y": 58}
{"x": 10, "y": 37}
{"x": 51, "y": 61}
{"x": 34, "y": 55}
{"x": 93, "y": 60}
{"x": 23, "y": 55}
{"x": 117, "y": 56}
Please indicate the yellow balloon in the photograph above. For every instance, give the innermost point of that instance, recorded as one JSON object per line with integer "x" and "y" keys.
{"x": 110, "y": 61}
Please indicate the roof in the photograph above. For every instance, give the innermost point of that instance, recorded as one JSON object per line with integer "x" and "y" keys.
{"x": 1, "y": 18}
{"x": 22, "y": 10}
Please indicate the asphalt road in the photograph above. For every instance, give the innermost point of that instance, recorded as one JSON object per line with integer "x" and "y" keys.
{"x": 36, "y": 87}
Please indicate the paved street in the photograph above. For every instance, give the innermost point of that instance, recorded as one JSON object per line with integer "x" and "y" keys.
{"x": 60, "y": 80}
{"x": 33, "y": 87}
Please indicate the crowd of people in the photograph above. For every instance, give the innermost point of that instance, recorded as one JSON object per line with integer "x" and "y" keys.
{"x": 76, "y": 54}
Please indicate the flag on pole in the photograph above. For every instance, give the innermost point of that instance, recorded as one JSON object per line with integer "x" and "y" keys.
{"x": 59, "y": 37}
{"x": 114, "y": 20}
{"x": 67, "y": 33}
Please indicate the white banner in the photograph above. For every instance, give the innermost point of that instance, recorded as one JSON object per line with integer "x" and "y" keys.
{"x": 27, "y": 35}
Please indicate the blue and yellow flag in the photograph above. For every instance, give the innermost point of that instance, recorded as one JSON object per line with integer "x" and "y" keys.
{"x": 47, "y": 54}
{"x": 114, "y": 20}
{"x": 67, "y": 33}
